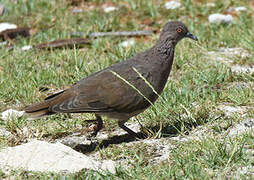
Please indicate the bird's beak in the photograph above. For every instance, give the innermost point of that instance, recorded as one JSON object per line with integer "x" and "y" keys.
{"x": 189, "y": 35}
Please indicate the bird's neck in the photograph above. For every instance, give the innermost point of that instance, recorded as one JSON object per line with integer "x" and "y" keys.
{"x": 165, "y": 48}
{"x": 164, "y": 56}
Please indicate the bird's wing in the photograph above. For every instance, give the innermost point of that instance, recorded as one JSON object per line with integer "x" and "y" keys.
{"x": 101, "y": 92}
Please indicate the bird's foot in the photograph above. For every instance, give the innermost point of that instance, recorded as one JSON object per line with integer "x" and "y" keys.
{"x": 132, "y": 133}
{"x": 92, "y": 136}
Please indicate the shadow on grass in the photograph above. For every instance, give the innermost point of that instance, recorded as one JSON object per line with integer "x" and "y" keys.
{"x": 166, "y": 131}
{"x": 84, "y": 148}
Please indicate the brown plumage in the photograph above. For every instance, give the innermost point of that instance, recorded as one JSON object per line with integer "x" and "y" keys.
{"x": 116, "y": 91}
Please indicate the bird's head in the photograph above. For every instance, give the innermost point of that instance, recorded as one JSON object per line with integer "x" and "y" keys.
{"x": 175, "y": 30}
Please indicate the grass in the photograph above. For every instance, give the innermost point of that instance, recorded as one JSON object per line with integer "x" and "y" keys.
{"x": 190, "y": 99}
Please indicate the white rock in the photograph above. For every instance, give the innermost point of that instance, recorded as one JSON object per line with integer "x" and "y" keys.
{"x": 172, "y": 5}
{"x": 109, "y": 165}
{"x": 25, "y": 48}
{"x": 74, "y": 140}
{"x": 241, "y": 172}
{"x": 47, "y": 157}
{"x": 241, "y": 85}
{"x": 197, "y": 134}
{"x": 5, "y": 26}
{"x": 230, "y": 110}
{"x": 109, "y": 9}
{"x": 161, "y": 149}
{"x": 77, "y": 10}
{"x": 220, "y": 18}
{"x": 127, "y": 43}
{"x": 11, "y": 113}
{"x": 245, "y": 126}
{"x": 242, "y": 69}
{"x": 240, "y": 8}
{"x": 211, "y": 4}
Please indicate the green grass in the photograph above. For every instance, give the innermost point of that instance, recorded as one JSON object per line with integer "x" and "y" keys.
{"x": 190, "y": 98}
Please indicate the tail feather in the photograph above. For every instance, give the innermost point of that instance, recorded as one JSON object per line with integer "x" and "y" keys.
{"x": 38, "y": 114}
{"x": 41, "y": 109}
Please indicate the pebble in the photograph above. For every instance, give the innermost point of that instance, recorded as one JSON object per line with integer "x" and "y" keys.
{"x": 172, "y": 5}
{"x": 25, "y": 48}
{"x": 127, "y": 43}
{"x": 4, "y": 26}
{"x": 240, "y": 8}
{"x": 77, "y": 10}
{"x": 109, "y": 9}
{"x": 210, "y": 4}
{"x": 220, "y": 18}
{"x": 242, "y": 69}
{"x": 11, "y": 113}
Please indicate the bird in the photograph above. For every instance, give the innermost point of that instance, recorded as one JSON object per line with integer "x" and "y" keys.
{"x": 122, "y": 90}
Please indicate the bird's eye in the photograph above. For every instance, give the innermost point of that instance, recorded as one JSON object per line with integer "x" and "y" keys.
{"x": 179, "y": 30}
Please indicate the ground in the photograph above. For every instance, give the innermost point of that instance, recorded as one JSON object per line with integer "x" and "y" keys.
{"x": 200, "y": 128}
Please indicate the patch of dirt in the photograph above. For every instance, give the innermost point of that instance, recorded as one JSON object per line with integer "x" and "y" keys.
{"x": 241, "y": 85}
{"x": 234, "y": 110}
{"x": 228, "y": 55}
{"x": 158, "y": 149}
{"x": 242, "y": 69}
{"x": 244, "y": 126}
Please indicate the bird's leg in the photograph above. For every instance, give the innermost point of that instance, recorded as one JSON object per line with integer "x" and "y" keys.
{"x": 132, "y": 133}
{"x": 99, "y": 124}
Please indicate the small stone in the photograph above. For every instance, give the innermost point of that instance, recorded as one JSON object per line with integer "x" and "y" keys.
{"x": 172, "y": 5}
{"x": 74, "y": 140}
{"x": 240, "y": 8}
{"x": 109, "y": 9}
{"x": 25, "y": 48}
{"x": 11, "y": 113}
{"x": 127, "y": 43}
{"x": 4, "y": 26}
{"x": 242, "y": 69}
{"x": 77, "y": 10}
{"x": 220, "y": 18}
{"x": 210, "y": 4}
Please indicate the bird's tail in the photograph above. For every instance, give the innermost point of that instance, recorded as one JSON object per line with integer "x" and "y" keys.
{"x": 41, "y": 109}
{"x": 37, "y": 114}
